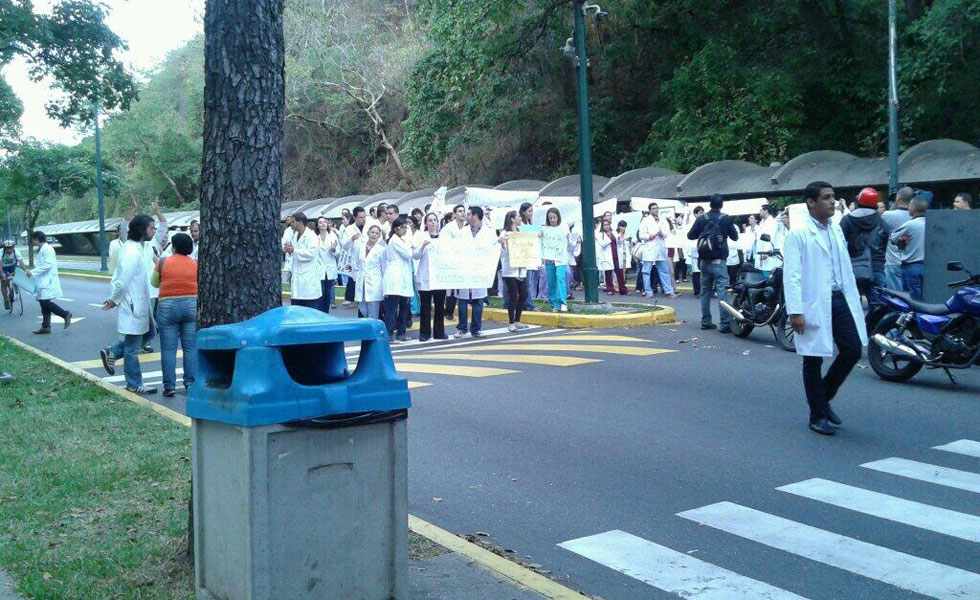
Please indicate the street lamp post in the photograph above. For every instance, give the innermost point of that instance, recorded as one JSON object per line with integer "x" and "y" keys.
{"x": 590, "y": 273}
{"x": 892, "y": 100}
{"x": 103, "y": 253}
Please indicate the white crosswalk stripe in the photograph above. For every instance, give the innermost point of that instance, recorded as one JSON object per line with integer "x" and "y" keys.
{"x": 883, "y": 564}
{"x": 900, "y": 510}
{"x": 967, "y": 447}
{"x": 671, "y": 571}
{"x": 954, "y": 478}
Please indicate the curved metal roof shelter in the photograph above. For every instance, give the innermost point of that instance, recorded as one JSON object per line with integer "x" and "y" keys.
{"x": 377, "y": 199}
{"x": 931, "y": 162}
{"x": 314, "y": 207}
{"x": 413, "y": 200}
{"x": 335, "y": 209}
{"x": 569, "y": 186}
{"x": 289, "y": 208}
{"x": 522, "y": 185}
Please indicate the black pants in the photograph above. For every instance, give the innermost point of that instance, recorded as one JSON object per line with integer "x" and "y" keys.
{"x": 398, "y": 310}
{"x": 680, "y": 270}
{"x": 48, "y": 307}
{"x": 696, "y": 282}
{"x": 450, "y": 303}
{"x": 516, "y": 296}
{"x": 310, "y": 303}
{"x": 432, "y": 325}
{"x": 821, "y": 390}
{"x": 349, "y": 292}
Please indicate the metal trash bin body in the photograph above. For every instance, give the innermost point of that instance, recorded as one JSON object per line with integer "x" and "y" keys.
{"x": 299, "y": 465}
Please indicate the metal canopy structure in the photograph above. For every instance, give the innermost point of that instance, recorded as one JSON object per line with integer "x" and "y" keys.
{"x": 928, "y": 163}
{"x": 570, "y": 186}
{"x": 413, "y": 200}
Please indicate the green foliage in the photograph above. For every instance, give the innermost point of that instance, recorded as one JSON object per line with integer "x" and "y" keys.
{"x": 73, "y": 45}
{"x": 35, "y": 175}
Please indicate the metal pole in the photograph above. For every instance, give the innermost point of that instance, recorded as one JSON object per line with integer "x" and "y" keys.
{"x": 892, "y": 100}
{"x": 103, "y": 250}
{"x": 589, "y": 272}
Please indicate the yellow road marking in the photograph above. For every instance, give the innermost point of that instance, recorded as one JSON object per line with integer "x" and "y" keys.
{"x": 499, "y": 565}
{"x": 152, "y": 357}
{"x": 417, "y": 384}
{"x": 576, "y": 337}
{"x": 530, "y": 359}
{"x": 598, "y": 348}
{"x": 458, "y": 370}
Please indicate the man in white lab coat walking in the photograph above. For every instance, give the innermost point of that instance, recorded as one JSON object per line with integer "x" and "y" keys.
{"x": 307, "y": 271}
{"x": 823, "y": 304}
{"x": 47, "y": 283}
{"x": 130, "y": 293}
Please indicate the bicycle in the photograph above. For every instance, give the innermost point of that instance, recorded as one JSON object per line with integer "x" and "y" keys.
{"x": 15, "y": 298}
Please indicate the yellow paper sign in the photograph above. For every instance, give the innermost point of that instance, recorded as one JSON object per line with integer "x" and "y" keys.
{"x": 524, "y": 250}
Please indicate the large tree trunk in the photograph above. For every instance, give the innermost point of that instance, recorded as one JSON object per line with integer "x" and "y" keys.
{"x": 241, "y": 191}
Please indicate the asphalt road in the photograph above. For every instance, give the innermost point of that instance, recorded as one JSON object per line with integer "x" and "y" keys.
{"x": 544, "y": 453}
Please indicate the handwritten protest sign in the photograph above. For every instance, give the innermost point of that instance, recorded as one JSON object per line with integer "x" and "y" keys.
{"x": 554, "y": 243}
{"x": 524, "y": 250}
{"x": 462, "y": 263}
{"x": 25, "y": 283}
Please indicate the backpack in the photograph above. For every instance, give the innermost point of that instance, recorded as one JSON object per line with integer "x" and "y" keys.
{"x": 713, "y": 242}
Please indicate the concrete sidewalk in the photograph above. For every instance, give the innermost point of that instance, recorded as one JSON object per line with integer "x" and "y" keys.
{"x": 445, "y": 577}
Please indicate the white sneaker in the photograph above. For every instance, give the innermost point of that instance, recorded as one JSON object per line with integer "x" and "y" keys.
{"x": 459, "y": 334}
{"x": 512, "y": 327}
{"x": 345, "y": 303}
{"x": 564, "y": 308}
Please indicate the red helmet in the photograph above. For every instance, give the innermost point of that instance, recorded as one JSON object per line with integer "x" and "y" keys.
{"x": 868, "y": 198}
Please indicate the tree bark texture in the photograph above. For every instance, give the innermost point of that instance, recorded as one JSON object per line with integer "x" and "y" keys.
{"x": 241, "y": 192}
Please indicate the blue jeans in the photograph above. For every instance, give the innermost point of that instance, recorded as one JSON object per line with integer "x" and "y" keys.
{"x": 128, "y": 348}
{"x": 326, "y": 300}
{"x": 893, "y": 278}
{"x": 878, "y": 281}
{"x": 912, "y": 279}
{"x": 556, "y": 284}
{"x": 178, "y": 320}
{"x": 477, "y": 323}
{"x": 714, "y": 278}
{"x": 663, "y": 273}
{"x": 532, "y": 288}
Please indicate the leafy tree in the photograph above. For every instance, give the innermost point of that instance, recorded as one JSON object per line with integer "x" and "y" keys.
{"x": 35, "y": 175}
{"x": 73, "y": 45}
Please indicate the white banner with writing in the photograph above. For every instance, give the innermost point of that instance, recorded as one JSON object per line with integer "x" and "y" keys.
{"x": 462, "y": 263}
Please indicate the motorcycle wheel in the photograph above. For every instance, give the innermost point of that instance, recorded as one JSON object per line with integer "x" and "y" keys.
{"x": 744, "y": 328}
{"x": 785, "y": 336}
{"x": 887, "y": 365}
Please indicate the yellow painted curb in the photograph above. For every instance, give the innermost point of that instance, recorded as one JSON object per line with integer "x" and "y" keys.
{"x": 134, "y": 398}
{"x": 666, "y": 314}
{"x": 498, "y": 565}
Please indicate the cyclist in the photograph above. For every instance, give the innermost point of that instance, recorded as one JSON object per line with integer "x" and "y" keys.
{"x": 9, "y": 260}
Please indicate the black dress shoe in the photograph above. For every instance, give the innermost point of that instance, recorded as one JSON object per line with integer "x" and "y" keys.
{"x": 708, "y": 326}
{"x": 832, "y": 417}
{"x": 822, "y": 427}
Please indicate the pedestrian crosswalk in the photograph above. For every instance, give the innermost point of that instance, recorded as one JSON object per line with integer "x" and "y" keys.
{"x": 427, "y": 363}
{"x": 677, "y": 572}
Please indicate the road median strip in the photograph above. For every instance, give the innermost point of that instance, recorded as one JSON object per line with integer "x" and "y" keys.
{"x": 44, "y": 584}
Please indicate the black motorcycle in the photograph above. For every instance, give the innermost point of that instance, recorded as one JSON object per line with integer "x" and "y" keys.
{"x": 758, "y": 301}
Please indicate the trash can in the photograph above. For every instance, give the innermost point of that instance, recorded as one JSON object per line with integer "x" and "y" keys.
{"x": 299, "y": 464}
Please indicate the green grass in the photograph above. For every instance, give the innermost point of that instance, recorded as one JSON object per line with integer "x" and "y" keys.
{"x": 93, "y": 491}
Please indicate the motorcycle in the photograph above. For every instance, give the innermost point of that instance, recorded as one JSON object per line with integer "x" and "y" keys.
{"x": 758, "y": 301}
{"x": 918, "y": 334}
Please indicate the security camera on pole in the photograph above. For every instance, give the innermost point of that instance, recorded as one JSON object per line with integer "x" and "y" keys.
{"x": 589, "y": 272}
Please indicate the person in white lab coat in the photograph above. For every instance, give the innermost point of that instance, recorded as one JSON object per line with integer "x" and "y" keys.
{"x": 130, "y": 293}
{"x": 397, "y": 280}
{"x": 653, "y": 238}
{"x": 432, "y": 303}
{"x": 472, "y": 299}
{"x": 764, "y": 260}
{"x": 47, "y": 283}
{"x": 288, "y": 237}
{"x": 349, "y": 238}
{"x": 823, "y": 304}
{"x": 304, "y": 283}
{"x": 328, "y": 249}
{"x": 369, "y": 266}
